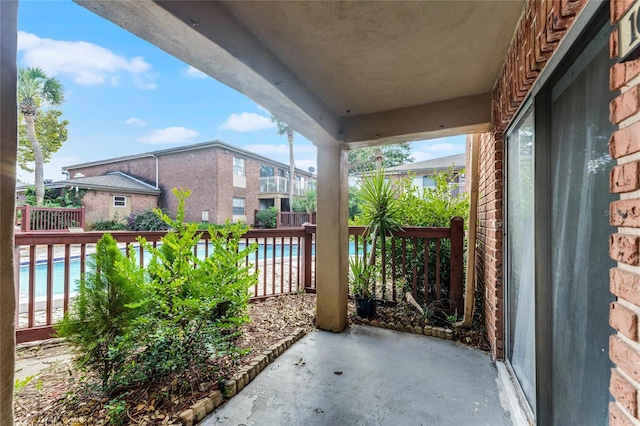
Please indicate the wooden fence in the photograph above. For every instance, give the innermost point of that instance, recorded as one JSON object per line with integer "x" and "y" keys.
{"x": 46, "y": 219}
{"x": 295, "y": 219}
{"x": 51, "y": 262}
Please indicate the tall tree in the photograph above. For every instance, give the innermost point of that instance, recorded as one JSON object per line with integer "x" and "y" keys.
{"x": 284, "y": 129}
{"x": 365, "y": 159}
{"x": 51, "y": 133}
{"x": 35, "y": 90}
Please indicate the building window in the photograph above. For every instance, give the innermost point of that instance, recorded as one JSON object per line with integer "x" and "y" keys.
{"x": 428, "y": 182}
{"x": 266, "y": 171}
{"x": 238, "y": 206}
{"x": 119, "y": 201}
{"x": 238, "y": 166}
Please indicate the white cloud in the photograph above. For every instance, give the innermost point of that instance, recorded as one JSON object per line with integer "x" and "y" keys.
{"x": 86, "y": 63}
{"x": 169, "y": 135}
{"x": 442, "y": 147}
{"x": 136, "y": 121}
{"x": 247, "y": 122}
{"x": 305, "y": 164}
{"x": 192, "y": 72}
{"x": 421, "y": 156}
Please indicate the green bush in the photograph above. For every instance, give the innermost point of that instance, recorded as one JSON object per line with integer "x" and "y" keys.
{"x": 146, "y": 220}
{"x": 267, "y": 218}
{"x": 99, "y": 320}
{"x": 193, "y": 306}
{"x": 131, "y": 325}
{"x": 114, "y": 224}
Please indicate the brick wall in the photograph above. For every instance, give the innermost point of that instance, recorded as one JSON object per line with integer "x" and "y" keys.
{"x": 139, "y": 168}
{"x": 541, "y": 27}
{"x": 196, "y": 171}
{"x": 624, "y": 245}
{"x": 99, "y": 205}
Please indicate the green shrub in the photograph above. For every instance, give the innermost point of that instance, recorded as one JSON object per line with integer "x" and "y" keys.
{"x": 114, "y": 224}
{"x": 193, "y": 305}
{"x": 267, "y": 218}
{"x": 146, "y": 220}
{"x": 99, "y": 319}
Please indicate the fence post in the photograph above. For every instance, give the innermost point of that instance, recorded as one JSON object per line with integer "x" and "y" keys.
{"x": 457, "y": 265}
{"x": 279, "y": 220}
{"x": 82, "y": 217}
{"x": 26, "y": 219}
{"x": 308, "y": 246}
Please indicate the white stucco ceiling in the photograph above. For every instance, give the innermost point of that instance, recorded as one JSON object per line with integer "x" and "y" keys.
{"x": 350, "y": 72}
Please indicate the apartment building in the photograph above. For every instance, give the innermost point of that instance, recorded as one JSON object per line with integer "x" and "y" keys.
{"x": 226, "y": 182}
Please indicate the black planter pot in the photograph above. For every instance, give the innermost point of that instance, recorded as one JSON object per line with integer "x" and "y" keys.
{"x": 365, "y": 307}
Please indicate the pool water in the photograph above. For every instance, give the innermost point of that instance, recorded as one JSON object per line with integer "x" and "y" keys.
{"x": 74, "y": 268}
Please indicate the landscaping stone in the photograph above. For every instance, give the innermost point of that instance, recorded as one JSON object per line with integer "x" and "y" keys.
{"x": 216, "y": 397}
{"x": 187, "y": 417}
{"x": 199, "y": 410}
{"x": 209, "y": 405}
{"x": 365, "y": 320}
{"x": 417, "y": 329}
{"x": 229, "y": 388}
{"x": 408, "y": 328}
{"x": 448, "y": 334}
{"x": 269, "y": 354}
{"x": 374, "y": 323}
{"x": 239, "y": 382}
{"x": 391, "y": 325}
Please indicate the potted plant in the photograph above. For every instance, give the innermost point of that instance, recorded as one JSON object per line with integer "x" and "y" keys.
{"x": 360, "y": 281}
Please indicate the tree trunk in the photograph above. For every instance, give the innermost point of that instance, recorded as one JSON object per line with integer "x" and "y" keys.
{"x": 292, "y": 169}
{"x": 39, "y": 159}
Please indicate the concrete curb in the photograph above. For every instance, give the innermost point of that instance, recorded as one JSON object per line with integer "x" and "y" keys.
{"x": 238, "y": 381}
{"x": 440, "y": 332}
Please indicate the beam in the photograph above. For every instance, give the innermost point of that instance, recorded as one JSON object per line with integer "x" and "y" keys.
{"x": 465, "y": 115}
{"x": 8, "y": 152}
{"x": 207, "y": 36}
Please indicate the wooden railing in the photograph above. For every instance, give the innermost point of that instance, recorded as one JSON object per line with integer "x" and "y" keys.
{"x": 46, "y": 219}
{"x": 285, "y": 263}
{"x": 295, "y": 219}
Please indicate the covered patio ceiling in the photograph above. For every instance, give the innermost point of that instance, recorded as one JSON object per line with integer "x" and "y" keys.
{"x": 353, "y": 73}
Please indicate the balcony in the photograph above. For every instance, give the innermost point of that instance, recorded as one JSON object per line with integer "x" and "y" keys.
{"x": 280, "y": 185}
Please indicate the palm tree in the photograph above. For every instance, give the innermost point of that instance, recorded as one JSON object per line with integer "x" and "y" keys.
{"x": 36, "y": 89}
{"x": 284, "y": 129}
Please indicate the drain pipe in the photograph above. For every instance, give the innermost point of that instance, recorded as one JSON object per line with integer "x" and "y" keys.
{"x": 154, "y": 156}
{"x": 469, "y": 296}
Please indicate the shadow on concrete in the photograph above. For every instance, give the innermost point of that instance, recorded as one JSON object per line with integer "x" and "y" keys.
{"x": 370, "y": 376}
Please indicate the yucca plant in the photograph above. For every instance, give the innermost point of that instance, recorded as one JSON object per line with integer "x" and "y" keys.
{"x": 381, "y": 211}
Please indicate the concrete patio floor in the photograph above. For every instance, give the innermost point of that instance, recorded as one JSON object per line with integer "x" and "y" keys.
{"x": 370, "y": 376}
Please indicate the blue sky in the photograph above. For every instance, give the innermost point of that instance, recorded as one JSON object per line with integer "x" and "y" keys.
{"x": 125, "y": 96}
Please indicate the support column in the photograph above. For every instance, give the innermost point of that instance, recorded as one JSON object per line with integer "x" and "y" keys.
{"x": 8, "y": 149}
{"x": 332, "y": 238}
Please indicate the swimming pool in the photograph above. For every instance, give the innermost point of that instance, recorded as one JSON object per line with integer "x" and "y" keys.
{"x": 74, "y": 268}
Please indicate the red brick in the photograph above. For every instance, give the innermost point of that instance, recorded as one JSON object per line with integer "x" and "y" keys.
{"x": 625, "y": 357}
{"x": 619, "y": 8}
{"x": 624, "y": 106}
{"x": 624, "y": 392}
{"x": 625, "y": 177}
{"x": 623, "y": 72}
{"x": 624, "y": 248}
{"x": 617, "y": 417}
{"x": 625, "y": 213}
{"x": 624, "y": 320}
{"x": 625, "y": 285}
{"x": 613, "y": 44}
{"x": 625, "y": 141}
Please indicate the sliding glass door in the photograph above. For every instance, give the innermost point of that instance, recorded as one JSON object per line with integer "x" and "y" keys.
{"x": 556, "y": 234}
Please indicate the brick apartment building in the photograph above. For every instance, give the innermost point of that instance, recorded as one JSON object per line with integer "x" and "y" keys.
{"x": 226, "y": 182}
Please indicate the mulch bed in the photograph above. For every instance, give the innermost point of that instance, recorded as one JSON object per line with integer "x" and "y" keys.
{"x": 56, "y": 397}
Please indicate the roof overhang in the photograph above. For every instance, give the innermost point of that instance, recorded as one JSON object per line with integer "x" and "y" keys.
{"x": 357, "y": 73}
